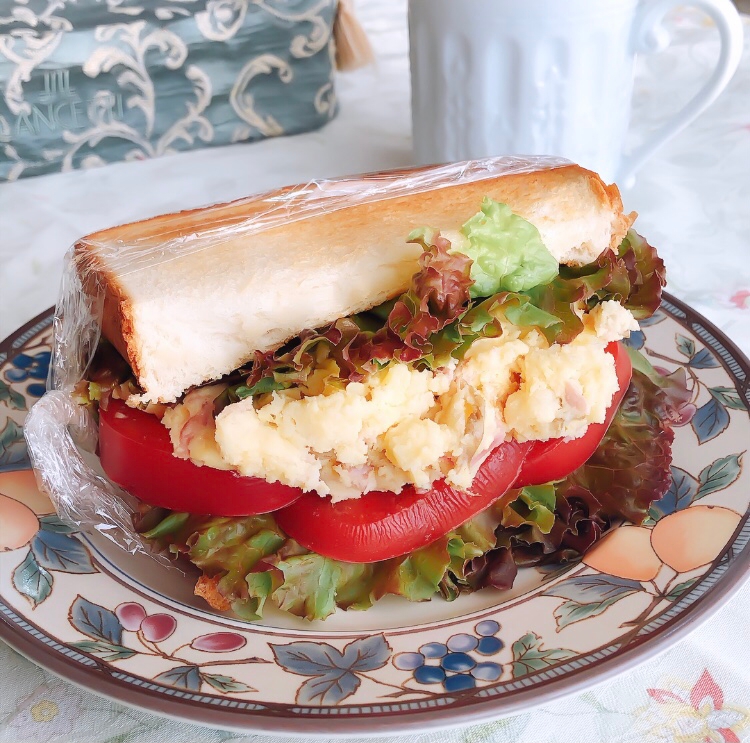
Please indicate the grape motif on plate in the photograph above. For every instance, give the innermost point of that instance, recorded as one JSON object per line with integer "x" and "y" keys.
{"x": 459, "y": 663}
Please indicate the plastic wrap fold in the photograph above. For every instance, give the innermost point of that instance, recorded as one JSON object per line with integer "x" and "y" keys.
{"x": 58, "y": 430}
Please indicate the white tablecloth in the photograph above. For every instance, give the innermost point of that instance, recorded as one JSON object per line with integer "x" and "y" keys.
{"x": 694, "y": 205}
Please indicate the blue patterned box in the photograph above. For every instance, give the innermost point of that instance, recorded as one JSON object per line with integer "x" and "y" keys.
{"x": 97, "y": 81}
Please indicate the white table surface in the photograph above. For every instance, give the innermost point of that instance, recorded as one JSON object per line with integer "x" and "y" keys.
{"x": 694, "y": 205}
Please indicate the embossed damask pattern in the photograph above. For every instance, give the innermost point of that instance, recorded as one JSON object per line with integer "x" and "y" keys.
{"x": 83, "y": 84}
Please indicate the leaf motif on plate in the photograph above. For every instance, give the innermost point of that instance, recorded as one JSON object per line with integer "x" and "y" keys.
{"x": 588, "y": 596}
{"x": 307, "y": 658}
{"x": 95, "y": 621}
{"x": 12, "y": 444}
{"x": 681, "y": 588}
{"x": 56, "y": 550}
{"x": 334, "y": 674}
{"x": 330, "y": 688}
{"x": 720, "y": 474}
{"x": 729, "y": 397}
{"x": 367, "y": 653}
{"x": 686, "y": 489}
{"x": 529, "y": 656}
{"x": 704, "y": 359}
{"x": 52, "y": 522}
{"x": 225, "y": 684}
{"x": 710, "y": 420}
{"x": 682, "y": 491}
{"x": 636, "y": 340}
{"x": 685, "y": 345}
{"x": 12, "y": 398}
{"x": 182, "y": 677}
{"x": 105, "y": 650}
{"x": 32, "y": 580}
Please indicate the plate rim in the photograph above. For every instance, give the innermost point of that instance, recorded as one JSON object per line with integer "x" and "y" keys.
{"x": 278, "y": 723}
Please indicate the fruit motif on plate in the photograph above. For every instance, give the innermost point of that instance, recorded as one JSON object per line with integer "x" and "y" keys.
{"x": 19, "y": 524}
{"x": 131, "y": 632}
{"x": 690, "y": 539}
{"x": 21, "y": 485}
{"x": 28, "y": 521}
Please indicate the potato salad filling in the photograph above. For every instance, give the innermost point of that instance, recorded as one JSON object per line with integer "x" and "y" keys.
{"x": 403, "y": 426}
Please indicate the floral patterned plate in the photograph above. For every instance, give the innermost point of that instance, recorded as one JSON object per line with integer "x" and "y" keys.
{"x": 128, "y": 628}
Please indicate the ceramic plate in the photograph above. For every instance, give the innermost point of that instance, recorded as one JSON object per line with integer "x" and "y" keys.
{"x": 127, "y": 628}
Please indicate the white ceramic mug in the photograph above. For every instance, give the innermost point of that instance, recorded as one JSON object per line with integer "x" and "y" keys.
{"x": 545, "y": 77}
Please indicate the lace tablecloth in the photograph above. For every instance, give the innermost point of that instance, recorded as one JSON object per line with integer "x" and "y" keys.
{"x": 693, "y": 203}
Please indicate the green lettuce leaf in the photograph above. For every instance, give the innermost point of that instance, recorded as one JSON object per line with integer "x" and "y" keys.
{"x": 484, "y": 320}
{"x": 313, "y": 585}
{"x": 534, "y": 505}
{"x": 507, "y": 252}
{"x": 255, "y": 562}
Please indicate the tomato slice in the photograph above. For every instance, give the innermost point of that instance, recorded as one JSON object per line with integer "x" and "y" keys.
{"x": 381, "y": 525}
{"x": 557, "y": 458}
{"x": 136, "y": 452}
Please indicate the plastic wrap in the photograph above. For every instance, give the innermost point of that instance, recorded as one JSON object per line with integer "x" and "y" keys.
{"x": 59, "y": 432}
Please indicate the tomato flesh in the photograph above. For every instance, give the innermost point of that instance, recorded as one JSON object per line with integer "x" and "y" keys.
{"x": 557, "y": 458}
{"x": 136, "y": 452}
{"x": 381, "y": 525}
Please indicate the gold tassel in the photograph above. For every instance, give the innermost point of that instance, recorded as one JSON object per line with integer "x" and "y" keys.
{"x": 353, "y": 48}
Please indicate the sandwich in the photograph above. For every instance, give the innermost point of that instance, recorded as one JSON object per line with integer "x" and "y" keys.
{"x": 323, "y": 397}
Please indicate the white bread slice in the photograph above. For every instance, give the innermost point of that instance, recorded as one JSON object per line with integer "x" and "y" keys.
{"x": 189, "y": 297}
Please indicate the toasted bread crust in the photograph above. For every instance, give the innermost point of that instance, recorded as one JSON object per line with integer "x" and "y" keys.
{"x": 342, "y": 241}
{"x": 207, "y": 589}
{"x": 116, "y": 320}
{"x": 622, "y": 222}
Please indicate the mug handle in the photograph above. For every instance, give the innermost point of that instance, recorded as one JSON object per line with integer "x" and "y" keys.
{"x": 651, "y": 36}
